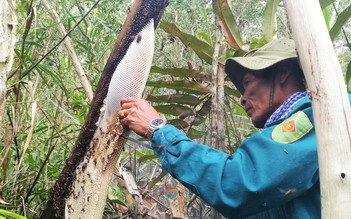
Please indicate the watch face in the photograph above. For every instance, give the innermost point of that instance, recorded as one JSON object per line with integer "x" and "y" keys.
{"x": 157, "y": 122}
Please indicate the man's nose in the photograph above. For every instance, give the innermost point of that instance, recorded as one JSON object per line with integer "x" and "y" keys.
{"x": 243, "y": 100}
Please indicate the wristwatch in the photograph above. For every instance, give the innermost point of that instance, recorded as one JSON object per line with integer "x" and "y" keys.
{"x": 155, "y": 125}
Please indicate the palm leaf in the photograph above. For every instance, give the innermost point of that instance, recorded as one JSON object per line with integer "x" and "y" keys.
{"x": 193, "y": 133}
{"x": 325, "y": 3}
{"x": 227, "y": 21}
{"x": 182, "y": 72}
{"x": 340, "y": 21}
{"x": 348, "y": 73}
{"x": 201, "y": 48}
{"x": 186, "y": 86}
{"x": 176, "y": 98}
{"x": 268, "y": 21}
{"x": 175, "y": 110}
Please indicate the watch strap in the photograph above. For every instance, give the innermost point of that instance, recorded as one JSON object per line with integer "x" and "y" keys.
{"x": 155, "y": 125}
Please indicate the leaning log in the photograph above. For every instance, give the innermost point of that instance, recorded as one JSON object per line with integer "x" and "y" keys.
{"x": 330, "y": 103}
{"x": 81, "y": 190}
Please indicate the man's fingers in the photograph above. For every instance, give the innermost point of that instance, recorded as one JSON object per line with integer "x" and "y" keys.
{"x": 122, "y": 114}
{"x": 128, "y": 100}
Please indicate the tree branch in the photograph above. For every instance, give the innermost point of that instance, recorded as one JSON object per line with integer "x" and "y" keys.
{"x": 53, "y": 48}
{"x": 71, "y": 52}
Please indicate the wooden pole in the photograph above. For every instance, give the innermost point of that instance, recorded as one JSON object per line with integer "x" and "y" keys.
{"x": 217, "y": 105}
{"x": 217, "y": 120}
{"x": 331, "y": 107}
{"x": 8, "y": 38}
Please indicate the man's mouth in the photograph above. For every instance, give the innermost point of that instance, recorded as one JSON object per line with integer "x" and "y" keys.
{"x": 248, "y": 111}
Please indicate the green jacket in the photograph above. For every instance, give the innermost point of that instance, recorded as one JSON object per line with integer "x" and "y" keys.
{"x": 273, "y": 174}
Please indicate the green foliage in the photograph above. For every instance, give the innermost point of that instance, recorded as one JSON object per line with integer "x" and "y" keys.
{"x": 343, "y": 17}
{"x": 10, "y": 214}
{"x": 182, "y": 72}
{"x": 176, "y": 98}
{"x": 228, "y": 23}
{"x": 181, "y": 85}
{"x": 158, "y": 178}
{"x": 269, "y": 18}
{"x": 348, "y": 74}
{"x": 325, "y": 3}
{"x": 201, "y": 48}
{"x": 118, "y": 194}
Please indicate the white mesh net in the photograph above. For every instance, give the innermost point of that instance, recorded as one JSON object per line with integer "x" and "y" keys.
{"x": 131, "y": 74}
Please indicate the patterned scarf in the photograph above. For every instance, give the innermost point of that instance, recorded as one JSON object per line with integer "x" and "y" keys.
{"x": 285, "y": 109}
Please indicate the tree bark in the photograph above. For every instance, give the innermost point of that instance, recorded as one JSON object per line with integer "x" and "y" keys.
{"x": 331, "y": 107}
{"x": 217, "y": 120}
{"x": 217, "y": 105}
{"x": 8, "y": 31}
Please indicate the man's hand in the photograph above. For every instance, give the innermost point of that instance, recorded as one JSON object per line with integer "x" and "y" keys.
{"x": 137, "y": 114}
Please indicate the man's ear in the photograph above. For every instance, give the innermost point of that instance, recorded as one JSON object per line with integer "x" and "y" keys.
{"x": 284, "y": 70}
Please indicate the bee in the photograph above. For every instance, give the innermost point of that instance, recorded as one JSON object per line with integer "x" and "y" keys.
{"x": 287, "y": 192}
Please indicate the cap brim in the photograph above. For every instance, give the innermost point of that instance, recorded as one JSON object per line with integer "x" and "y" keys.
{"x": 235, "y": 67}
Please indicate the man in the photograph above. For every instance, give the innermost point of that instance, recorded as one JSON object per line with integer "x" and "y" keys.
{"x": 274, "y": 173}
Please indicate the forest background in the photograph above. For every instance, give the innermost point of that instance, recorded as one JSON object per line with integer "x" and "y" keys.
{"x": 46, "y": 99}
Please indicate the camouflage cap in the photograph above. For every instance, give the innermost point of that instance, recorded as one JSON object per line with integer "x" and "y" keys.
{"x": 264, "y": 57}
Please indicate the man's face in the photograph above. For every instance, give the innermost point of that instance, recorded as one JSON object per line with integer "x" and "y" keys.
{"x": 255, "y": 99}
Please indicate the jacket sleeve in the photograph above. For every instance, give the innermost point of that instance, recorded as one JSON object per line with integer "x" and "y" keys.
{"x": 262, "y": 173}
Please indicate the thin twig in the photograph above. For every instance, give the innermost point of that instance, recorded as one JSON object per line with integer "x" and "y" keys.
{"x": 38, "y": 174}
{"x": 14, "y": 137}
{"x": 53, "y": 48}
{"x": 343, "y": 30}
{"x": 71, "y": 52}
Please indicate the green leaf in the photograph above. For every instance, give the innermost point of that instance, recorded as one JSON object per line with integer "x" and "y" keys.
{"x": 325, "y": 3}
{"x": 201, "y": 48}
{"x": 205, "y": 109}
{"x": 176, "y": 98}
{"x": 175, "y": 110}
{"x": 340, "y": 21}
{"x": 348, "y": 73}
{"x": 11, "y": 214}
{"x": 326, "y": 18}
{"x": 157, "y": 179}
{"x": 182, "y": 72}
{"x": 205, "y": 36}
{"x": 54, "y": 77}
{"x": 255, "y": 43}
{"x": 268, "y": 21}
{"x": 231, "y": 91}
{"x": 147, "y": 157}
{"x": 33, "y": 43}
{"x": 193, "y": 133}
{"x": 240, "y": 110}
{"x": 186, "y": 86}
{"x": 117, "y": 201}
{"x": 198, "y": 120}
{"x": 227, "y": 21}
{"x": 179, "y": 123}
{"x": 118, "y": 195}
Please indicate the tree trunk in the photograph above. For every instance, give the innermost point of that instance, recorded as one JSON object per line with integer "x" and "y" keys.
{"x": 217, "y": 105}
{"x": 8, "y": 31}
{"x": 81, "y": 190}
{"x": 331, "y": 107}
